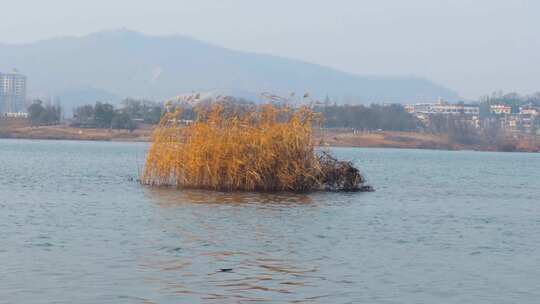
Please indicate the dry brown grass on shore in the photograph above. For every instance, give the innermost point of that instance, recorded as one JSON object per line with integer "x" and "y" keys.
{"x": 263, "y": 148}
{"x": 61, "y": 132}
{"x": 386, "y": 139}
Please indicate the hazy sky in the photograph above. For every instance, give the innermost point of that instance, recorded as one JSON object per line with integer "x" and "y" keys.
{"x": 474, "y": 47}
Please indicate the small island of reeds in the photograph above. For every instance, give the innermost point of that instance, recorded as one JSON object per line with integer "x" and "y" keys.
{"x": 264, "y": 148}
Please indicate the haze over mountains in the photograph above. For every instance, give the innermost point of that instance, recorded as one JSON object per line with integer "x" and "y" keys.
{"x": 111, "y": 65}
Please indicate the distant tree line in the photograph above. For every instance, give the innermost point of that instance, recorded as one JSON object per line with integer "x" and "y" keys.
{"x": 44, "y": 114}
{"x": 132, "y": 111}
{"x": 146, "y": 111}
{"x": 105, "y": 115}
{"x": 391, "y": 117}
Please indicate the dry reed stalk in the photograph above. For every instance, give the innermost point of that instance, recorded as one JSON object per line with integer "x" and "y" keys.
{"x": 261, "y": 148}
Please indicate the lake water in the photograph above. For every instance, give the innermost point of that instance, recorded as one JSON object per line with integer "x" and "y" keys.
{"x": 442, "y": 227}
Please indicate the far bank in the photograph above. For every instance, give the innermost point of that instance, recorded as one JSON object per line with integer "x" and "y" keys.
{"x": 335, "y": 138}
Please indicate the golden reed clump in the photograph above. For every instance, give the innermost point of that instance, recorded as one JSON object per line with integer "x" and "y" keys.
{"x": 258, "y": 148}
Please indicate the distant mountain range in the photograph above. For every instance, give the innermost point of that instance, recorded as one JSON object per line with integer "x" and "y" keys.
{"x": 111, "y": 65}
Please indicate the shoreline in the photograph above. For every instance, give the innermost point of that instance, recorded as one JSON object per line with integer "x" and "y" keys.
{"x": 378, "y": 139}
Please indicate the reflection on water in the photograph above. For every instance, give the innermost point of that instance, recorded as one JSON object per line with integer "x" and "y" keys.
{"x": 169, "y": 197}
{"x": 224, "y": 254}
{"x": 443, "y": 227}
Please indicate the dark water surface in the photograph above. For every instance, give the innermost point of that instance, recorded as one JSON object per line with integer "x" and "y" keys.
{"x": 443, "y": 227}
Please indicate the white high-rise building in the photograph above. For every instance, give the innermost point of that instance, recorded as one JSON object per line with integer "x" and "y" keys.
{"x": 12, "y": 93}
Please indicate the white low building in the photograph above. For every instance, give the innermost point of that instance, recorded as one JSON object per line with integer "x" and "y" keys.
{"x": 500, "y": 109}
{"x": 15, "y": 115}
{"x": 425, "y": 111}
{"x": 443, "y": 108}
